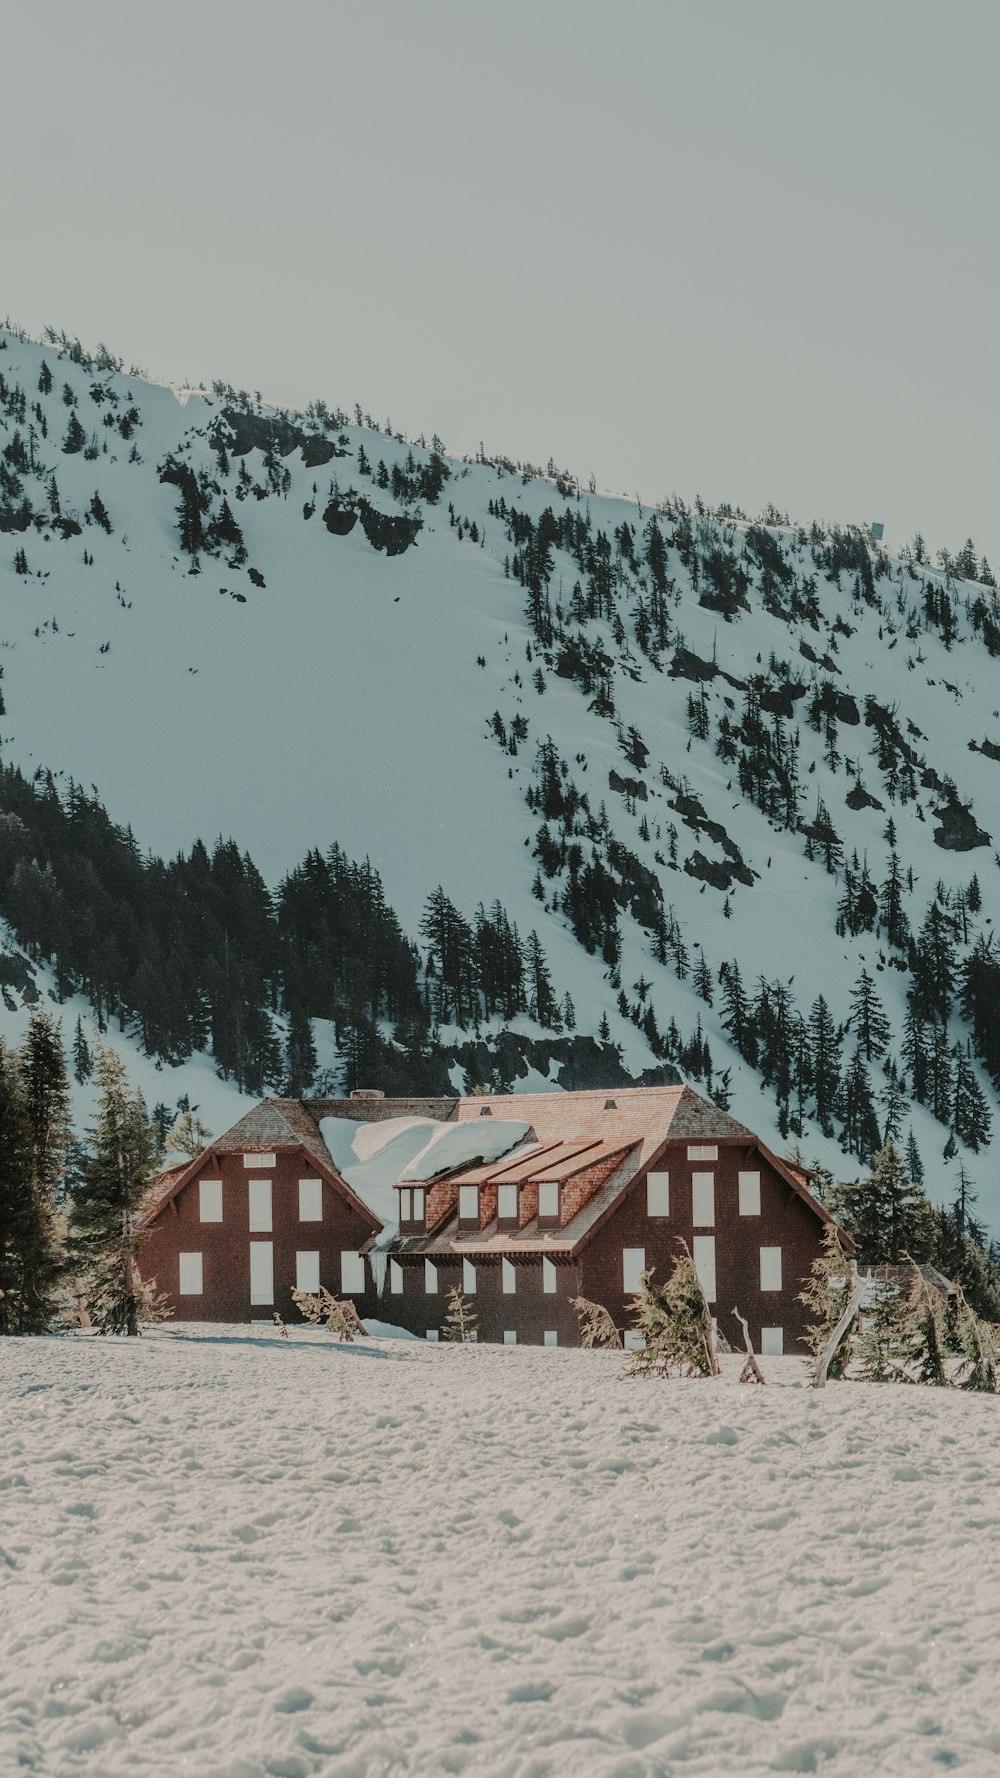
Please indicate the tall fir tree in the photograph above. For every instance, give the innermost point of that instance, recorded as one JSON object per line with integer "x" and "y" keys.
{"x": 20, "y": 1237}
{"x": 115, "y": 1174}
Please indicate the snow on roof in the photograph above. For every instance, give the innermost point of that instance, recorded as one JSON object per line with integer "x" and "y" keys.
{"x": 460, "y": 1145}
{"x": 371, "y": 1156}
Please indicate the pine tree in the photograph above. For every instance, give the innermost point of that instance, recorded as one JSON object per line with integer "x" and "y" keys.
{"x": 676, "y": 1324}
{"x": 19, "y": 1234}
{"x": 871, "y": 1027}
{"x": 82, "y": 1061}
{"x": 826, "y": 1296}
{"x": 115, "y": 1175}
{"x": 42, "y": 1063}
{"x": 460, "y": 1323}
{"x": 886, "y": 1214}
{"x": 920, "y": 1335}
{"x": 188, "y": 1136}
{"x": 880, "y": 1333}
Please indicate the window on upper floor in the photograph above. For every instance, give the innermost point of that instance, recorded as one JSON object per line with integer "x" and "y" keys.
{"x": 507, "y": 1203}
{"x": 210, "y": 1200}
{"x": 703, "y": 1200}
{"x": 406, "y": 1205}
{"x": 706, "y": 1152}
{"x": 508, "y": 1278}
{"x": 310, "y": 1200}
{"x": 395, "y": 1278}
{"x": 468, "y": 1277}
{"x": 550, "y": 1281}
{"x": 548, "y": 1201}
{"x": 260, "y": 1206}
{"x": 260, "y": 1160}
{"x": 419, "y": 1203}
{"x": 657, "y": 1194}
{"x": 468, "y": 1203}
{"x": 749, "y": 1194}
{"x": 430, "y": 1277}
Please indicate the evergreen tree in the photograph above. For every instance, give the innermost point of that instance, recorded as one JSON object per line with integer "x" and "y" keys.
{"x": 880, "y": 1334}
{"x": 886, "y": 1215}
{"x": 871, "y": 1027}
{"x": 42, "y": 1067}
{"x": 825, "y": 1045}
{"x": 460, "y": 1321}
{"x": 597, "y": 1328}
{"x": 826, "y": 1296}
{"x": 676, "y": 1324}
{"x": 116, "y": 1172}
{"x": 188, "y": 1135}
{"x": 920, "y": 1335}
{"x": 20, "y": 1236}
{"x": 82, "y": 1061}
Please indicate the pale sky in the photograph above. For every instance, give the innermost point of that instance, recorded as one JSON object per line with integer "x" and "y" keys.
{"x": 746, "y": 248}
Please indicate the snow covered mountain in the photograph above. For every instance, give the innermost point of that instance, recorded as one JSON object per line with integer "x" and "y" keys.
{"x": 742, "y": 779}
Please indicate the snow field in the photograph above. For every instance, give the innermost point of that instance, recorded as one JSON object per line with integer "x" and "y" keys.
{"x": 231, "y": 1556}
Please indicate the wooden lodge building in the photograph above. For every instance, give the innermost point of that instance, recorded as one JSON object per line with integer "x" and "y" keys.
{"x": 524, "y": 1201}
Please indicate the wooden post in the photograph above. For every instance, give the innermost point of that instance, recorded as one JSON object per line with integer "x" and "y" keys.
{"x": 859, "y": 1290}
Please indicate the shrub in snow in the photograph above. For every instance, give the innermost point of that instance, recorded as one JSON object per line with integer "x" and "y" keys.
{"x": 675, "y": 1323}
{"x": 460, "y": 1322}
{"x": 338, "y": 1315}
{"x": 596, "y": 1326}
{"x": 879, "y": 1343}
{"x": 977, "y": 1347}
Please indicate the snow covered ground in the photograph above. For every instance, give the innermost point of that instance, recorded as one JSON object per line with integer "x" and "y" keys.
{"x": 230, "y": 1556}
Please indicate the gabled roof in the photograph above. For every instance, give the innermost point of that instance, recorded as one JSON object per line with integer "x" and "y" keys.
{"x": 567, "y": 1131}
{"x": 273, "y": 1126}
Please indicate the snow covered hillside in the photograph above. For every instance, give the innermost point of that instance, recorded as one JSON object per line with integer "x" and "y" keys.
{"x": 236, "y": 1556}
{"x": 742, "y": 778}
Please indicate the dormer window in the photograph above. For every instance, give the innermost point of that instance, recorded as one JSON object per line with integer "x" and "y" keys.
{"x": 548, "y": 1201}
{"x": 468, "y": 1203}
{"x": 507, "y": 1203}
{"x": 412, "y": 1203}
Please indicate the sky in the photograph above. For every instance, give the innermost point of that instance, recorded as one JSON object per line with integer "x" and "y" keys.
{"x": 742, "y": 250}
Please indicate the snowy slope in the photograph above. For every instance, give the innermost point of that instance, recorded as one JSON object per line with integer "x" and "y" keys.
{"x": 350, "y": 697}
{"x": 241, "y": 1557}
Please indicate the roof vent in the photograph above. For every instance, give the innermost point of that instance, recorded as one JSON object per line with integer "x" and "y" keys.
{"x": 368, "y": 1093}
{"x": 611, "y": 1104}
{"x": 484, "y": 1111}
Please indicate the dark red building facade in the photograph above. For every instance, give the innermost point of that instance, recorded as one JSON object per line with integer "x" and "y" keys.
{"x": 584, "y": 1192}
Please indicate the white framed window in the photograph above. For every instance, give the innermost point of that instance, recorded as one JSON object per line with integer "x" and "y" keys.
{"x": 352, "y": 1272}
{"x": 703, "y": 1254}
{"x": 261, "y": 1272}
{"x": 260, "y": 1206}
{"x": 431, "y": 1334}
{"x": 430, "y": 1278}
{"x": 210, "y": 1200}
{"x": 307, "y": 1272}
{"x": 419, "y": 1202}
{"x": 549, "y": 1280}
{"x": 406, "y": 1205}
{"x": 634, "y": 1341}
{"x": 508, "y": 1278}
{"x": 749, "y": 1194}
{"x": 703, "y": 1200}
{"x": 468, "y": 1203}
{"x": 310, "y": 1200}
{"x": 770, "y": 1268}
{"x": 633, "y": 1266}
{"x": 190, "y": 1281}
{"x": 507, "y": 1203}
{"x": 468, "y": 1277}
{"x": 548, "y": 1198}
{"x": 772, "y": 1342}
{"x": 707, "y": 1152}
{"x": 550, "y": 1337}
{"x": 509, "y": 1337}
{"x": 395, "y": 1278}
{"x": 260, "y": 1160}
{"x": 657, "y": 1194}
